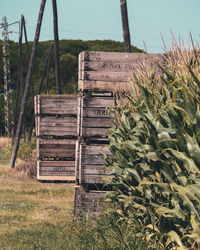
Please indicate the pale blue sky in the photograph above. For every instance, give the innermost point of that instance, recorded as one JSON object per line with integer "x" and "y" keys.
{"x": 101, "y": 19}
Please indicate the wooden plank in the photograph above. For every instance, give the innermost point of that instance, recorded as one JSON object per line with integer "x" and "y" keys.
{"x": 77, "y": 154}
{"x": 58, "y": 120}
{"x": 56, "y": 178}
{"x": 96, "y": 56}
{"x": 58, "y": 97}
{"x": 96, "y": 112}
{"x": 94, "y": 132}
{"x": 56, "y": 153}
{"x": 96, "y": 122}
{"x": 56, "y": 170}
{"x": 107, "y": 76}
{"x": 95, "y": 149}
{"x": 57, "y": 142}
{"x": 58, "y": 111}
{"x": 56, "y": 163}
{"x": 105, "y": 86}
{"x": 97, "y": 102}
{"x": 96, "y": 159}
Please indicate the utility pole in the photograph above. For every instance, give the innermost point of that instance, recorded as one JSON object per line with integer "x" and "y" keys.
{"x": 6, "y": 73}
{"x": 125, "y": 26}
{"x": 56, "y": 39}
{"x": 26, "y": 90}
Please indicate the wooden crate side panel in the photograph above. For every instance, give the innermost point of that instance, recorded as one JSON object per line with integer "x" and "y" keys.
{"x": 56, "y": 170}
{"x": 92, "y": 164}
{"x": 55, "y": 104}
{"x": 67, "y": 105}
{"x": 57, "y": 126}
{"x": 95, "y": 119}
{"x": 90, "y": 203}
{"x": 113, "y": 71}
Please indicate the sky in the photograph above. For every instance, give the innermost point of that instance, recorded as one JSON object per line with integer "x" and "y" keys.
{"x": 101, "y": 19}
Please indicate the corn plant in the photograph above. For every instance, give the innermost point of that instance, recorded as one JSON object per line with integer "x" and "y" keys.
{"x": 155, "y": 168}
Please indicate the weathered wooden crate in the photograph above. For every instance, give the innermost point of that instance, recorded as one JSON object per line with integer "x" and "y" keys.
{"x": 55, "y": 149}
{"x": 56, "y": 170}
{"x": 91, "y": 202}
{"x": 91, "y": 164}
{"x": 113, "y": 71}
{"x": 93, "y": 116}
{"x": 56, "y": 132}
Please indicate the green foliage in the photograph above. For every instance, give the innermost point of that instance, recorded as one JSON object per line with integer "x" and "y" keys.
{"x": 156, "y": 144}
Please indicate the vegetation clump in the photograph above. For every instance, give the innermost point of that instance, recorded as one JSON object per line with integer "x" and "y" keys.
{"x": 156, "y": 154}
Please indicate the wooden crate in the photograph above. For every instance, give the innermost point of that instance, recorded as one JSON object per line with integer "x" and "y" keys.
{"x": 91, "y": 203}
{"x": 56, "y": 131}
{"x": 93, "y": 116}
{"x": 113, "y": 71}
{"x": 90, "y": 163}
{"x": 56, "y": 170}
{"x": 65, "y": 105}
{"x": 55, "y": 149}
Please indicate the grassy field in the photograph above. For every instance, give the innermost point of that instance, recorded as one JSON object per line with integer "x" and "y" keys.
{"x": 36, "y": 215}
{"x": 30, "y": 211}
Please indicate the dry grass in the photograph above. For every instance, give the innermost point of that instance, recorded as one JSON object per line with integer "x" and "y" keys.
{"x": 4, "y": 141}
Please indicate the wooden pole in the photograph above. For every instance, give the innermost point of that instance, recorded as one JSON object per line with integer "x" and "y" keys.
{"x": 56, "y": 39}
{"x": 19, "y": 79}
{"x": 31, "y": 83}
{"x": 26, "y": 90}
{"x": 46, "y": 68}
{"x": 125, "y": 26}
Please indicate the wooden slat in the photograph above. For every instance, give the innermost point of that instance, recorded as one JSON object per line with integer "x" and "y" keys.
{"x": 95, "y": 149}
{"x": 96, "y": 56}
{"x": 56, "y": 170}
{"x": 105, "y": 86}
{"x": 107, "y": 76}
{"x": 97, "y": 102}
{"x": 95, "y": 112}
{"x": 58, "y": 97}
{"x": 94, "y": 132}
{"x": 97, "y": 122}
{"x": 56, "y": 178}
{"x": 58, "y": 111}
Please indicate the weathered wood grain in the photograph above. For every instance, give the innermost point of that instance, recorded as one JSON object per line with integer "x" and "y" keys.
{"x": 97, "y": 102}
{"x": 110, "y": 71}
{"x": 91, "y": 163}
{"x": 56, "y": 170}
{"x": 105, "y": 86}
{"x": 92, "y": 202}
{"x": 56, "y": 126}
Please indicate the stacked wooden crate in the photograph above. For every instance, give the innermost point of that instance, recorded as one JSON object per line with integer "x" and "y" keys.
{"x": 100, "y": 75}
{"x": 56, "y": 132}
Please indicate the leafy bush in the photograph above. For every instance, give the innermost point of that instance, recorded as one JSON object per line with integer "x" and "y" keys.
{"x": 156, "y": 154}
